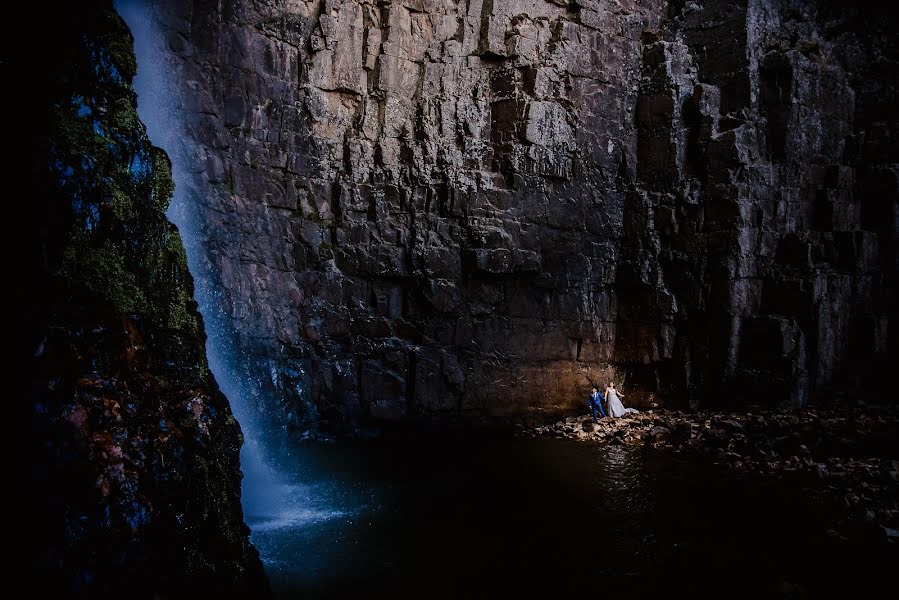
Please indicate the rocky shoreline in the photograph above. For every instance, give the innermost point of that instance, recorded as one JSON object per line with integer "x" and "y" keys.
{"x": 848, "y": 458}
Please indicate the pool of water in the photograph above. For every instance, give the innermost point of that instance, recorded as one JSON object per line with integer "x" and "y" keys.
{"x": 474, "y": 516}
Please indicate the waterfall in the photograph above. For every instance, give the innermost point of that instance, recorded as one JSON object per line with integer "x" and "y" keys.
{"x": 160, "y": 112}
{"x": 280, "y": 493}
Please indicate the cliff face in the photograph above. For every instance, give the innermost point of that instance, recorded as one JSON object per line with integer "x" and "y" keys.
{"x": 759, "y": 257}
{"x": 480, "y": 208}
{"x": 134, "y": 475}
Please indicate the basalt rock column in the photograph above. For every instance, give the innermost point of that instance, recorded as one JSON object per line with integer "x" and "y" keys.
{"x": 472, "y": 208}
{"x": 414, "y": 207}
{"x": 753, "y": 270}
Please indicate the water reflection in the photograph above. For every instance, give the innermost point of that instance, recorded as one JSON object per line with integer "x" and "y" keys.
{"x": 623, "y": 472}
{"x": 478, "y": 514}
{"x": 470, "y": 517}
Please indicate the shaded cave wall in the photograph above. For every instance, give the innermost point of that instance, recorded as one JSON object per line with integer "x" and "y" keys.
{"x": 761, "y": 264}
{"x": 132, "y": 463}
{"x": 481, "y": 208}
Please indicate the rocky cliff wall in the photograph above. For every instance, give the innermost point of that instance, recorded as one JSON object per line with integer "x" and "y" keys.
{"x": 133, "y": 474}
{"x": 481, "y": 207}
{"x": 760, "y": 260}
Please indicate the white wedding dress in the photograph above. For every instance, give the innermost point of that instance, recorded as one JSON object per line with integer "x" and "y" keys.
{"x": 616, "y": 408}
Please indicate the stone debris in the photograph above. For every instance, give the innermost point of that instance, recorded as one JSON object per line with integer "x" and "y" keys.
{"x": 846, "y": 456}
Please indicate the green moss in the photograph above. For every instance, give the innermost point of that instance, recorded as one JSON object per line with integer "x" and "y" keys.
{"x": 122, "y": 253}
{"x": 226, "y": 186}
{"x": 808, "y": 47}
{"x": 109, "y": 251}
{"x": 315, "y": 217}
{"x": 97, "y": 271}
{"x": 188, "y": 424}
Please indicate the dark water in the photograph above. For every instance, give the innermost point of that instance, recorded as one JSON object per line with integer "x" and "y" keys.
{"x": 469, "y": 516}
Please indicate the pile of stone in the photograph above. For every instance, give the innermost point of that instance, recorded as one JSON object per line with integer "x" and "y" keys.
{"x": 850, "y": 456}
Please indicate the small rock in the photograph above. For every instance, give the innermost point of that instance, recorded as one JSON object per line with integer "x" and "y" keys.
{"x": 659, "y": 434}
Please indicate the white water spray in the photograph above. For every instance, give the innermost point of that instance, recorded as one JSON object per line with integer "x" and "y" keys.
{"x": 270, "y": 499}
{"x": 159, "y": 110}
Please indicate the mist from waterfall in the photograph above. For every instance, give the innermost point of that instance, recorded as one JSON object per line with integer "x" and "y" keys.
{"x": 270, "y": 499}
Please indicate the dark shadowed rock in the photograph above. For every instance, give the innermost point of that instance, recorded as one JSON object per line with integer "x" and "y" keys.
{"x": 659, "y": 435}
{"x": 132, "y": 461}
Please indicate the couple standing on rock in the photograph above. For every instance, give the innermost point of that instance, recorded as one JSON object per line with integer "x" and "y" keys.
{"x": 611, "y": 397}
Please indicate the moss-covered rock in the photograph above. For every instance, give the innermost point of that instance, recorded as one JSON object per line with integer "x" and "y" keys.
{"x": 135, "y": 471}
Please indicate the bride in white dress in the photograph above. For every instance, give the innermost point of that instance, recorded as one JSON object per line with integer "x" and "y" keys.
{"x": 616, "y": 408}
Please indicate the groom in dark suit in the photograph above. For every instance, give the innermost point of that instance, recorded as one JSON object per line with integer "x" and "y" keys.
{"x": 596, "y": 400}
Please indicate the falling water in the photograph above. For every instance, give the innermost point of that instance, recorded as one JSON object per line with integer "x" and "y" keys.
{"x": 271, "y": 499}
{"x": 445, "y": 513}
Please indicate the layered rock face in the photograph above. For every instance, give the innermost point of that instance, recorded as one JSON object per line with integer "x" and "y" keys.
{"x": 759, "y": 261}
{"x": 480, "y": 208}
{"x": 133, "y": 471}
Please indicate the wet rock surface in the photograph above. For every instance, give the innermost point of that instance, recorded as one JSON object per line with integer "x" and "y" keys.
{"x": 132, "y": 476}
{"x": 473, "y": 208}
{"x": 847, "y": 458}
